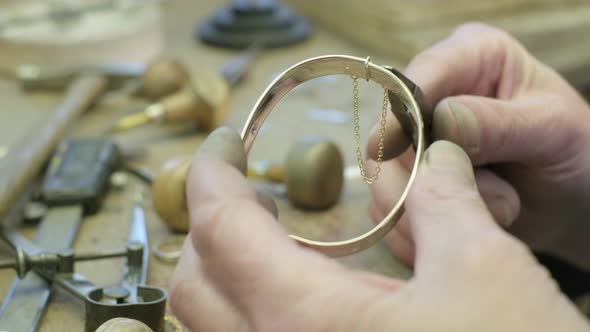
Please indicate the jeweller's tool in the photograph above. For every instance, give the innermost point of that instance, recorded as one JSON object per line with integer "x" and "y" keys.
{"x": 23, "y": 263}
{"x": 131, "y": 299}
{"x": 25, "y": 159}
{"x": 161, "y": 77}
{"x": 407, "y": 105}
{"x": 204, "y": 101}
{"x": 57, "y": 77}
{"x": 76, "y": 181}
{"x": 79, "y": 173}
{"x": 141, "y": 173}
{"x": 312, "y": 173}
{"x": 244, "y": 22}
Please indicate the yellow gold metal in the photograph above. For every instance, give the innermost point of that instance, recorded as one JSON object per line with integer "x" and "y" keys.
{"x": 413, "y": 116}
{"x": 357, "y": 135}
{"x": 367, "y": 68}
{"x": 174, "y": 323}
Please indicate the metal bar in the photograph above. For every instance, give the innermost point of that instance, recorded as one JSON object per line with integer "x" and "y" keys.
{"x": 25, "y": 303}
{"x": 236, "y": 69}
{"x": 99, "y": 255}
{"x": 137, "y": 269}
{"x": 26, "y": 158}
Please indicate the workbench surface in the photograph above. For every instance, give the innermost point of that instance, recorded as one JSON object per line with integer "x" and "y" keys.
{"x": 23, "y": 111}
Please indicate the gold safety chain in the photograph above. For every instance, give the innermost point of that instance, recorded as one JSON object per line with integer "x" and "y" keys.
{"x": 173, "y": 323}
{"x": 357, "y": 135}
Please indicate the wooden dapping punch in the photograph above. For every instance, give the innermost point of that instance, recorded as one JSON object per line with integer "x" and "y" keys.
{"x": 204, "y": 101}
{"x": 312, "y": 174}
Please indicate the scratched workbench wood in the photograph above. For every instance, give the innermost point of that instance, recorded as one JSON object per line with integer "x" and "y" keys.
{"x": 108, "y": 229}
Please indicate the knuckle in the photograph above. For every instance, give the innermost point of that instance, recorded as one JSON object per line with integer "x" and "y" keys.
{"x": 493, "y": 37}
{"x": 488, "y": 253}
{"x": 209, "y": 221}
{"x": 442, "y": 186}
{"x": 479, "y": 28}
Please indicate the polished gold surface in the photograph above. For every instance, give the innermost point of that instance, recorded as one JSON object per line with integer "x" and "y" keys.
{"x": 357, "y": 136}
{"x": 390, "y": 80}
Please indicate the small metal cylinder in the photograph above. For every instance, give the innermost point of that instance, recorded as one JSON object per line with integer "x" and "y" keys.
{"x": 135, "y": 254}
{"x": 65, "y": 261}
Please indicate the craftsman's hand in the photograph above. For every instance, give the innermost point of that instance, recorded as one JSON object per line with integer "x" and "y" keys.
{"x": 525, "y": 129}
{"x": 240, "y": 272}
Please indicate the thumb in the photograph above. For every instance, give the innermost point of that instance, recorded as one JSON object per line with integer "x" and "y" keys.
{"x": 444, "y": 208}
{"x": 244, "y": 250}
{"x": 492, "y": 130}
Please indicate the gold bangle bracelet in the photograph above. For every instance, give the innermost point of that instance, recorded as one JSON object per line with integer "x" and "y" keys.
{"x": 407, "y": 104}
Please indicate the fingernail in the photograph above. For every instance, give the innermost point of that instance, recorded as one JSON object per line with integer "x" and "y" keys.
{"x": 456, "y": 122}
{"x": 225, "y": 143}
{"x": 444, "y": 155}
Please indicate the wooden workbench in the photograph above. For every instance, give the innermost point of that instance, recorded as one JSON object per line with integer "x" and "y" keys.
{"x": 108, "y": 229}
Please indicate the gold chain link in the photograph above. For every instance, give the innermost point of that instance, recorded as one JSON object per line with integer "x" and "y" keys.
{"x": 174, "y": 323}
{"x": 357, "y": 135}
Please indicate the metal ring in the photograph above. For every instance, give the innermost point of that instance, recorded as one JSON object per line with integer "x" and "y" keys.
{"x": 169, "y": 256}
{"x": 367, "y": 68}
{"x": 355, "y": 67}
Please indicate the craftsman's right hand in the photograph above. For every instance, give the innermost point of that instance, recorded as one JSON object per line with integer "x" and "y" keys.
{"x": 525, "y": 129}
{"x": 239, "y": 271}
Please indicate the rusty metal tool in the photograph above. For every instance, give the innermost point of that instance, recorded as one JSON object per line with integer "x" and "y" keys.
{"x": 24, "y": 160}
{"x": 131, "y": 299}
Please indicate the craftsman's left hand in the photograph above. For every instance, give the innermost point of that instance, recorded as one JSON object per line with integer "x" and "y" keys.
{"x": 239, "y": 271}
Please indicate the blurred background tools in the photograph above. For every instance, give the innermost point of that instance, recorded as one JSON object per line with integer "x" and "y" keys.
{"x": 203, "y": 100}
{"x": 312, "y": 174}
{"x": 160, "y": 77}
{"x": 243, "y": 22}
{"x": 24, "y": 160}
{"x": 131, "y": 299}
{"x": 79, "y": 32}
{"x": 75, "y": 184}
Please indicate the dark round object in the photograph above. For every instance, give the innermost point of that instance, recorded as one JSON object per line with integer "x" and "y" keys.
{"x": 245, "y": 22}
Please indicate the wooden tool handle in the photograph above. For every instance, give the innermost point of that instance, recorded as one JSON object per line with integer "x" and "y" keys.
{"x": 26, "y": 158}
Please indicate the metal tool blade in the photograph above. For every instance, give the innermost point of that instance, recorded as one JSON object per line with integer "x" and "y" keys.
{"x": 236, "y": 69}
{"x": 137, "y": 265}
{"x": 25, "y": 303}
